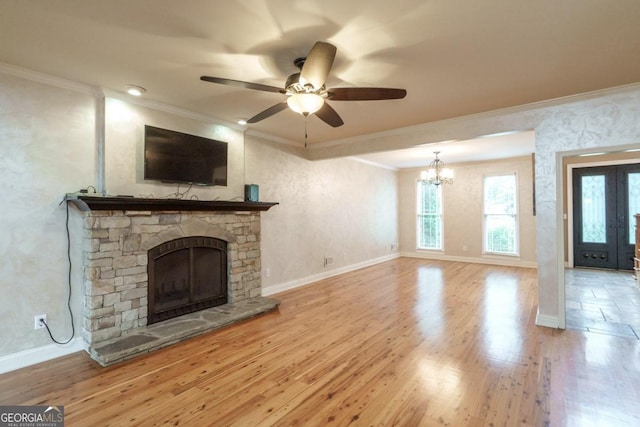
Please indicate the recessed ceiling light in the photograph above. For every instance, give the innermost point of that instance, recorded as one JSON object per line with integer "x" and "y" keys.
{"x": 135, "y": 90}
{"x": 242, "y": 122}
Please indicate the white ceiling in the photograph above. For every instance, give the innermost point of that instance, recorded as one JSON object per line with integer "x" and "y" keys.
{"x": 454, "y": 57}
{"x": 485, "y": 148}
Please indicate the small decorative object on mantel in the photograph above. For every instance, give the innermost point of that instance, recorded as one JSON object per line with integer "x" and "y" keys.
{"x": 437, "y": 174}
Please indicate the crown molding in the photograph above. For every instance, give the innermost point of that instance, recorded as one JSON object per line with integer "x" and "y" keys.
{"x": 100, "y": 92}
{"x": 39, "y": 77}
{"x": 369, "y": 162}
{"x": 273, "y": 138}
{"x": 177, "y": 111}
{"x": 518, "y": 109}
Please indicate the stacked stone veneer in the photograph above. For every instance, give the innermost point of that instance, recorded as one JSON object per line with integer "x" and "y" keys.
{"x": 115, "y": 261}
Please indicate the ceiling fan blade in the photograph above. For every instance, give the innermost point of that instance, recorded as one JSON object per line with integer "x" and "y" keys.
{"x": 245, "y": 85}
{"x": 328, "y": 115}
{"x": 268, "y": 112}
{"x": 318, "y": 64}
{"x": 365, "y": 93}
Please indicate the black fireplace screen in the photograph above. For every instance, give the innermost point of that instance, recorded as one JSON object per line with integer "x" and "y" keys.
{"x": 186, "y": 275}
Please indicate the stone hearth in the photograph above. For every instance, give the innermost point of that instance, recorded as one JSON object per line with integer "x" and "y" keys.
{"x": 116, "y": 243}
{"x": 145, "y": 339}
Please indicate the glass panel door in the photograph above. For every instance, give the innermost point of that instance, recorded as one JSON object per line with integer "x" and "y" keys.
{"x": 594, "y": 215}
{"x": 634, "y": 203}
{"x": 605, "y": 200}
{"x": 628, "y": 205}
{"x": 594, "y": 220}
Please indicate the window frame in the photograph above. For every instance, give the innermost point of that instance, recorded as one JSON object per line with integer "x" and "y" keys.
{"x": 419, "y": 214}
{"x": 515, "y": 215}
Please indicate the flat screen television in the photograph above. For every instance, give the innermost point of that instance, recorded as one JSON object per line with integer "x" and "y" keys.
{"x": 171, "y": 156}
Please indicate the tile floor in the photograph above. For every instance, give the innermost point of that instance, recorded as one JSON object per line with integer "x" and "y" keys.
{"x": 604, "y": 302}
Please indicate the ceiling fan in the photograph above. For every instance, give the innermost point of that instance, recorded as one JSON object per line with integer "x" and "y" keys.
{"x": 306, "y": 92}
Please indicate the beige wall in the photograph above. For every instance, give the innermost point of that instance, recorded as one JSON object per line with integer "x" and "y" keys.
{"x": 462, "y": 206}
{"x": 124, "y": 146}
{"x": 46, "y": 141}
{"x": 339, "y": 208}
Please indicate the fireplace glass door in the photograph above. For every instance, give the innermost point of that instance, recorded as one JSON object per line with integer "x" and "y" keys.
{"x": 186, "y": 275}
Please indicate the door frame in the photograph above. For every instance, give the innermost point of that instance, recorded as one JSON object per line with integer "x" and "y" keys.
{"x": 569, "y": 189}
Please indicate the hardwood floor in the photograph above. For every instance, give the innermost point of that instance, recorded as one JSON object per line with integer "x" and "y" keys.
{"x": 408, "y": 342}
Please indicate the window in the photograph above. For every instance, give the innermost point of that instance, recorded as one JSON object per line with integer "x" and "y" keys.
{"x": 500, "y": 215}
{"x": 429, "y": 216}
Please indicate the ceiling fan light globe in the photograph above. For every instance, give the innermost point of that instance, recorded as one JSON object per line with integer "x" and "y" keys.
{"x": 305, "y": 103}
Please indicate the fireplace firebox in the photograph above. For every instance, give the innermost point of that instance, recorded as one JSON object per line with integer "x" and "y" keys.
{"x": 186, "y": 275}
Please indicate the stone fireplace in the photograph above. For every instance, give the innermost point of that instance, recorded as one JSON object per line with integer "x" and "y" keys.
{"x": 124, "y": 237}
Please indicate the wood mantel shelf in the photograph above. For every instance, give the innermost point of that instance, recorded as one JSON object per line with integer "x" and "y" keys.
{"x": 124, "y": 203}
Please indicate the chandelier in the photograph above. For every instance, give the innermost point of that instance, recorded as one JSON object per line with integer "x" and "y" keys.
{"x": 437, "y": 174}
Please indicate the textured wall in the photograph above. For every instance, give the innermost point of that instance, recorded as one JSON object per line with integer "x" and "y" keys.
{"x": 339, "y": 208}
{"x": 124, "y": 149}
{"x": 609, "y": 121}
{"x": 463, "y": 215}
{"x": 47, "y": 144}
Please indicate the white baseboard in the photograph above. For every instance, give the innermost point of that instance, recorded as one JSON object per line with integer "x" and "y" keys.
{"x": 547, "y": 321}
{"x": 270, "y": 290}
{"x": 503, "y": 261}
{"x": 29, "y": 357}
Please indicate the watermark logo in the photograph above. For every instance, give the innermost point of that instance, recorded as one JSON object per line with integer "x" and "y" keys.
{"x": 32, "y": 416}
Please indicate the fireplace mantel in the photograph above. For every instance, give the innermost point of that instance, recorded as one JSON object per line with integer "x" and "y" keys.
{"x": 124, "y": 203}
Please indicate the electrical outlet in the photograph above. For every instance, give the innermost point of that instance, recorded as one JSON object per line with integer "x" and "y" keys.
{"x": 39, "y": 321}
{"x": 328, "y": 261}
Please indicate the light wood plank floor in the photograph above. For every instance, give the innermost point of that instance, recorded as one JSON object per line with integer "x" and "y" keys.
{"x": 407, "y": 342}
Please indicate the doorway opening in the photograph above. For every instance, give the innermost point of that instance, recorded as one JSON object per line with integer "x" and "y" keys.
{"x": 605, "y": 200}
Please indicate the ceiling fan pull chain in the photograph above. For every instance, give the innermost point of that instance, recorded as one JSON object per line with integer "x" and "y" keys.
{"x": 306, "y": 119}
